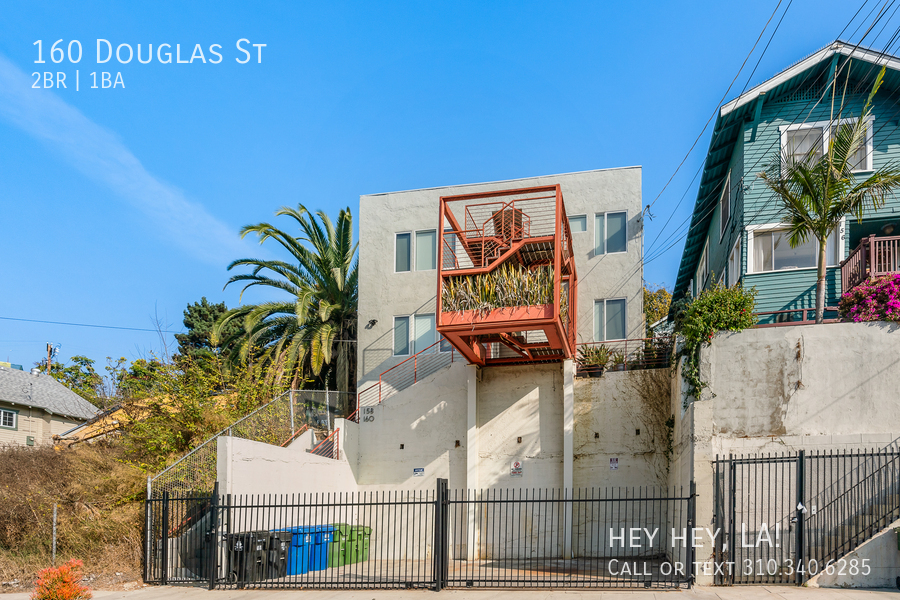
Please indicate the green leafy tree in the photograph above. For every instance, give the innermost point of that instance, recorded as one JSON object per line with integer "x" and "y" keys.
{"x": 80, "y": 377}
{"x": 816, "y": 192}
{"x": 199, "y": 320}
{"x": 314, "y": 326}
{"x": 656, "y": 305}
{"x": 176, "y": 406}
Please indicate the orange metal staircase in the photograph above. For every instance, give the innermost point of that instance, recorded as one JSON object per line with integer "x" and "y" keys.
{"x": 526, "y": 229}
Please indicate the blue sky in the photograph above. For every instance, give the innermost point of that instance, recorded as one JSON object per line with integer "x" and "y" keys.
{"x": 121, "y": 206}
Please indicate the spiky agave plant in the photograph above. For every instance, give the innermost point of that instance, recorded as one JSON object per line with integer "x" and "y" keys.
{"x": 509, "y": 285}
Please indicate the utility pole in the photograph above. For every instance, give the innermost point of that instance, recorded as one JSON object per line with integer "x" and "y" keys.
{"x": 49, "y": 354}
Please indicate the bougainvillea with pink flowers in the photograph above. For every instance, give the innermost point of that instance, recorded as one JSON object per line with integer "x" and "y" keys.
{"x": 872, "y": 300}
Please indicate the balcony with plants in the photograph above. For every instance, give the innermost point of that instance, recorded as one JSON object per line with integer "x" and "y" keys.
{"x": 506, "y": 282}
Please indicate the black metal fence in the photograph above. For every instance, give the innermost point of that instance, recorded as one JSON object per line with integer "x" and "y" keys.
{"x": 623, "y": 537}
{"x": 784, "y": 518}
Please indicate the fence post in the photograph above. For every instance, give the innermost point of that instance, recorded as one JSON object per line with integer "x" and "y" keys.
{"x": 291, "y": 400}
{"x": 146, "y": 562}
{"x": 213, "y": 538}
{"x": 732, "y": 481}
{"x": 692, "y": 519}
{"x": 801, "y": 507}
{"x": 53, "y": 559}
{"x": 440, "y": 535}
{"x": 164, "y": 574}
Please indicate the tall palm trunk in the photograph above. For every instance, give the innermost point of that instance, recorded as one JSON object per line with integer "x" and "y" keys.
{"x": 820, "y": 283}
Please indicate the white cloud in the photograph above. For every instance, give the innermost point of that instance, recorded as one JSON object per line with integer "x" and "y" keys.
{"x": 101, "y": 155}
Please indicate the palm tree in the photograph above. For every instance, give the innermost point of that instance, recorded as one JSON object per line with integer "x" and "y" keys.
{"x": 316, "y": 325}
{"x": 816, "y": 192}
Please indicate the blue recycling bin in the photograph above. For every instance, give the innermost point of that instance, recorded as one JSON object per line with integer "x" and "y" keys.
{"x": 298, "y": 556}
{"x": 309, "y": 548}
{"x": 318, "y": 554}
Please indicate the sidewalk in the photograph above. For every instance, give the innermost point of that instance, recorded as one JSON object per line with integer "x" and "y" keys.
{"x": 702, "y": 593}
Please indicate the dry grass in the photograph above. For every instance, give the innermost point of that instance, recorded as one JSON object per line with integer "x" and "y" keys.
{"x": 99, "y": 511}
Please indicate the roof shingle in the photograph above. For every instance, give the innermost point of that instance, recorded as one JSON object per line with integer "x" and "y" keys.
{"x": 42, "y": 391}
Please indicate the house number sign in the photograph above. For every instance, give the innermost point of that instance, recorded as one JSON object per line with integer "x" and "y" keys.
{"x": 368, "y": 415}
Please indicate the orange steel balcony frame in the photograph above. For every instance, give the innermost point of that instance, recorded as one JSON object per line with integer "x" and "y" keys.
{"x": 529, "y": 228}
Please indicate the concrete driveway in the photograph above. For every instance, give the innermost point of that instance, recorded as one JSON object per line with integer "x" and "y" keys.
{"x": 698, "y": 593}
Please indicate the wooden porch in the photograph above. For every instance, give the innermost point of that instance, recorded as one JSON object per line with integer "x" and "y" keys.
{"x": 874, "y": 257}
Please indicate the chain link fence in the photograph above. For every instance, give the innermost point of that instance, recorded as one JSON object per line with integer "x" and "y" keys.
{"x": 274, "y": 423}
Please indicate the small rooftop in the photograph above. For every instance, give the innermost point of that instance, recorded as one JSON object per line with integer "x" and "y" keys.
{"x": 21, "y": 388}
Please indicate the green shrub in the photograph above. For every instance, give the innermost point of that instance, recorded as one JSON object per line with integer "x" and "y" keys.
{"x": 716, "y": 309}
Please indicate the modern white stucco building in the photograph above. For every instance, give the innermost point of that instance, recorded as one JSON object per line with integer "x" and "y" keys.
{"x": 471, "y": 423}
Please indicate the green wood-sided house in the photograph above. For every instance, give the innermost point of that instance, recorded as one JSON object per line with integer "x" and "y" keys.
{"x": 736, "y": 232}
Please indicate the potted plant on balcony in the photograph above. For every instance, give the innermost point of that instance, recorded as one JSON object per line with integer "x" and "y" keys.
{"x": 508, "y": 223}
{"x": 593, "y": 360}
{"x": 618, "y": 360}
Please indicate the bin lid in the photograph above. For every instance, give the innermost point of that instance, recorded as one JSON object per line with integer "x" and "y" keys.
{"x": 308, "y": 528}
{"x": 361, "y": 529}
{"x": 341, "y": 528}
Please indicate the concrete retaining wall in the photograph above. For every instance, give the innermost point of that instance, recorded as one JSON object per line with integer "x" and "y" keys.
{"x": 782, "y": 389}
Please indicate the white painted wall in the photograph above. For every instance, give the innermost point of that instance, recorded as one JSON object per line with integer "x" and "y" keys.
{"x": 609, "y": 413}
{"x": 524, "y": 402}
{"x": 246, "y": 467}
{"x": 880, "y": 554}
{"x": 427, "y": 419}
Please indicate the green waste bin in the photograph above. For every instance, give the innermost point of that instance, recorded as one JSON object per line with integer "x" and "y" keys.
{"x": 357, "y": 549}
{"x": 337, "y": 550}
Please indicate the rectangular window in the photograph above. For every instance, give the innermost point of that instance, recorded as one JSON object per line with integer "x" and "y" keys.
{"x": 426, "y": 250}
{"x": 402, "y": 253}
{"x": 8, "y": 419}
{"x": 425, "y": 333}
{"x": 808, "y": 142}
{"x": 578, "y": 223}
{"x": 703, "y": 269}
{"x": 772, "y": 251}
{"x": 609, "y": 320}
{"x": 450, "y": 259}
{"x": 858, "y": 162}
{"x": 734, "y": 264}
{"x": 804, "y": 144}
{"x": 610, "y": 233}
{"x": 725, "y": 206}
{"x": 401, "y": 336}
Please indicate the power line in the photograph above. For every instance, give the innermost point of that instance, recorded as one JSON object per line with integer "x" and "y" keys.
{"x": 90, "y": 325}
{"x": 764, "y": 205}
{"x": 725, "y": 95}
{"x": 115, "y": 327}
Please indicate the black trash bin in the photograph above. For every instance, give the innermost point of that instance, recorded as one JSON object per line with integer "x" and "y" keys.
{"x": 248, "y": 556}
{"x": 279, "y": 549}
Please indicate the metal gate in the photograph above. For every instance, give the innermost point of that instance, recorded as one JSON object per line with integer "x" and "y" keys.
{"x": 583, "y": 538}
{"x": 783, "y": 518}
{"x": 589, "y": 538}
{"x": 756, "y": 517}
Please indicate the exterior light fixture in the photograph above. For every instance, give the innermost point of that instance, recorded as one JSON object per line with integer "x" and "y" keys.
{"x": 889, "y": 228}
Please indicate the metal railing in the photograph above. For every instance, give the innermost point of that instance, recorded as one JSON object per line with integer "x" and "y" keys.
{"x": 874, "y": 257}
{"x": 401, "y": 376}
{"x": 273, "y": 423}
{"x": 625, "y": 355}
{"x": 490, "y": 228}
{"x": 791, "y": 515}
{"x": 329, "y": 447}
{"x": 534, "y": 538}
{"x": 296, "y": 434}
{"x": 784, "y": 318}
